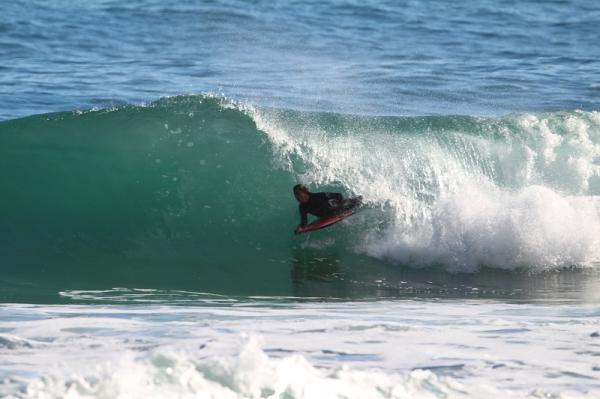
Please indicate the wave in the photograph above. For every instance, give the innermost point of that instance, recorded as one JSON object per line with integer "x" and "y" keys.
{"x": 514, "y": 192}
{"x": 196, "y": 191}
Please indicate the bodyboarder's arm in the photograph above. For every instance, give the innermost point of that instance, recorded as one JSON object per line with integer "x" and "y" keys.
{"x": 303, "y": 215}
{"x": 303, "y": 218}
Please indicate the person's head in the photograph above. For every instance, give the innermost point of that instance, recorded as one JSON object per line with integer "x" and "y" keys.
{"x": 301, "y": 193}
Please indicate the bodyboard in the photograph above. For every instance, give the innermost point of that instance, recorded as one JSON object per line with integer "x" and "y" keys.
{"x": 325, "y": 222}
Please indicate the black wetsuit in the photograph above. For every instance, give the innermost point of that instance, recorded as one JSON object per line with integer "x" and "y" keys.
{"x": 324, "y": 205}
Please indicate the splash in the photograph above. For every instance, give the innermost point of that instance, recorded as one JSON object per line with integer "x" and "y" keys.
{"x": 513, "y": 192}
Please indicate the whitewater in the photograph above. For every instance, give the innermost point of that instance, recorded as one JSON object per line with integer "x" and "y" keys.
{"x": 220, "y": 347}
{"x": 518, "y": 191}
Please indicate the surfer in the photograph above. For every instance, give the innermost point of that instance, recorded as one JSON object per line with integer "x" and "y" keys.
{"x": 322, "y": 205}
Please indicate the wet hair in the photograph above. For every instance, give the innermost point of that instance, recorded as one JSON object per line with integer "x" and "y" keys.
{"x": 300, "y": 187}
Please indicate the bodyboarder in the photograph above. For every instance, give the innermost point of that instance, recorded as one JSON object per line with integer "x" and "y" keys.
{"x": 322, "y": 205}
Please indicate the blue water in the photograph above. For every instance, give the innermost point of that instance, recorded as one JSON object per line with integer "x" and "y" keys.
{"x": 377, "y": 57}
{"x": 472, "y": 130}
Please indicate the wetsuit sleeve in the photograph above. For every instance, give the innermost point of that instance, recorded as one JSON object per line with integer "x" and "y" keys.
{"x": 303, "y": 215}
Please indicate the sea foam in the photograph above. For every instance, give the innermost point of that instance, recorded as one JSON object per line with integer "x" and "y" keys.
{"x": 249, "y": 374}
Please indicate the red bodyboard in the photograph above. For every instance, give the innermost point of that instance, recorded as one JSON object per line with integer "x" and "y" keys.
{"x": 322, "y": 223}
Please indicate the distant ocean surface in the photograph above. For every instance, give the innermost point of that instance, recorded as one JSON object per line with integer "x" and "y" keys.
{"x": 375, "y": 57}
{"x": 147, "y": 154}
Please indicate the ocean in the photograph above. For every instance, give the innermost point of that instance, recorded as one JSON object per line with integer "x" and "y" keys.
{"x": 148, "y": 151}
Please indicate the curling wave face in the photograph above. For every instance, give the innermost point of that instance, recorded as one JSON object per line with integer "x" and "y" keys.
{"x": 201, "y": 185}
